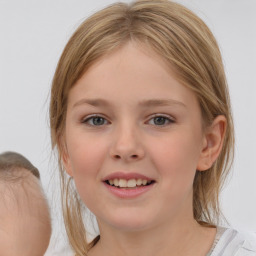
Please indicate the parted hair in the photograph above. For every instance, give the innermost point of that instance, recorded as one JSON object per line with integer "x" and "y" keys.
{"x": 187, "y": 45}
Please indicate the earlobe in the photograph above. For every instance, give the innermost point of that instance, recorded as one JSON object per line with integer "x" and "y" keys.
{"x": 213, "y": 141}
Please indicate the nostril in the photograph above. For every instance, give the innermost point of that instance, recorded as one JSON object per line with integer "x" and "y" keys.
{"x": 132, "y": 156}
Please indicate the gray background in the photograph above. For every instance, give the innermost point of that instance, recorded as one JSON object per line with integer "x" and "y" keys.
{"x": 32, "y": 36}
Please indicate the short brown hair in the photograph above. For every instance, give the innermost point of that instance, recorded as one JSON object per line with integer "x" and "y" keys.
{"x": 10, "y": 161}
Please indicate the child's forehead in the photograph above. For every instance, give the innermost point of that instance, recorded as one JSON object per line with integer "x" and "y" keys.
{"x": 132, "y": 57}
{"x": 116, "y": 74}
{"x": 24, "y": 216}
{"x": 136, "y": 50}
{"x": 17, "y": 175}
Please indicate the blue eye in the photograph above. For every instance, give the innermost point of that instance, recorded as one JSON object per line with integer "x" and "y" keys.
{"x": 160, "y": 121}
{"x": 95, "y": 121}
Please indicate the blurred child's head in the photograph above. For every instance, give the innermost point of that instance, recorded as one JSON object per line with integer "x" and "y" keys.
{"x": 191, "y": 52}
{"x": 25, "y": 226}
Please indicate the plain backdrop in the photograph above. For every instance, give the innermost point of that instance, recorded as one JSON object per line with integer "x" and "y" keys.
{"x": 33, "y": 34}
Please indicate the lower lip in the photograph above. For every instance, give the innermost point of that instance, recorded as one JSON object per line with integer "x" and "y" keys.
{"x": 128, "y": 192}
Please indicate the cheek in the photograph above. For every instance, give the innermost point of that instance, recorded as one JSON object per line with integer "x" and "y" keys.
{"x": 86, "y": 156}
{"x": 84, "y": 166}
{"x": 84, "y": 153}
{"x": 176, "y": 159}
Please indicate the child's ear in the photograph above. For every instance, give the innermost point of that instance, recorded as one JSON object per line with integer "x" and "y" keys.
{"x": 212, "y": 144}
{"x": 65, "y": 157}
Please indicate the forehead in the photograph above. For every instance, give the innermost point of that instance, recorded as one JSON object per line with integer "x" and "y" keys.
{"x": 23, "y": 206}
{"x": 24, "y": 216}
{"x": 134, "y": 71}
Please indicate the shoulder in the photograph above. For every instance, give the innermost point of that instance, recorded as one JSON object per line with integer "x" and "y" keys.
{"x": 234, "y": 242}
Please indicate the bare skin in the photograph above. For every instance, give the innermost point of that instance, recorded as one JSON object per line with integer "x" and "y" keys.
{"x": 194, "y": 242}
{"x": 25, "y": 227}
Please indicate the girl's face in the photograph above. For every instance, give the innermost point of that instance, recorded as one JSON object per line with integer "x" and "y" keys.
{"x": 129, "y": 121}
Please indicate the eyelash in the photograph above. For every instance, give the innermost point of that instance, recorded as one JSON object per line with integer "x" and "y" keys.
{"x": 90, "y": 118}
{"x": 167, "y": 119}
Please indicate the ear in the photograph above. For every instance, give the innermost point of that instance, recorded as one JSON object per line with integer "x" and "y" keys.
{"x": 65, "y": 157}
{"x": 212, "y": 144}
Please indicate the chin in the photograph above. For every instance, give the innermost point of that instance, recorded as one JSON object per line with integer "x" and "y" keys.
{"x": 130, "y": 221}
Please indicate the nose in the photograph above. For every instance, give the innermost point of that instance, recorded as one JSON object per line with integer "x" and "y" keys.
{"x": 127, "y": 144}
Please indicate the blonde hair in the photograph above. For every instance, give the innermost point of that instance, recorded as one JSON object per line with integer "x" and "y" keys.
{"x": 188, "y": 46}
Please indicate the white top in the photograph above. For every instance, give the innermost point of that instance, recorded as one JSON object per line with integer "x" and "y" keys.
{"x": 230, "y": 242}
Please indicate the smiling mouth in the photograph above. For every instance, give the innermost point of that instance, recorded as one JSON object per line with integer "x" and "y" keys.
{"x": 129, "y": 184}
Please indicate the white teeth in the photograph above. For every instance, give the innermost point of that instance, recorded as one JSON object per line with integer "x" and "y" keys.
{"x": 122, "y": 183}
{"x": 132, "y": 183}
{"x": 144, "y": 182}
{"x": 116, "y": 182}
{"x": 139, "y": 182}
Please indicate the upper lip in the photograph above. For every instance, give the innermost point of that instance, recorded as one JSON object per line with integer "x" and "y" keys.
{"x": 126, "y": 176}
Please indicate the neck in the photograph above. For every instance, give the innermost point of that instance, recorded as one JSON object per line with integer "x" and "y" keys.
{"x": 168, "y": 239}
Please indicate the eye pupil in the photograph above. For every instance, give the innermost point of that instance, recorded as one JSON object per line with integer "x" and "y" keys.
{"x": 159, "y": 120}
{"x": 98, "y": 121}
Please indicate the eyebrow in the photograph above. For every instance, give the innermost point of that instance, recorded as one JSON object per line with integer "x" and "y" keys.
{"x": 143, "y": 103}
{"x": 161, "y": 102}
